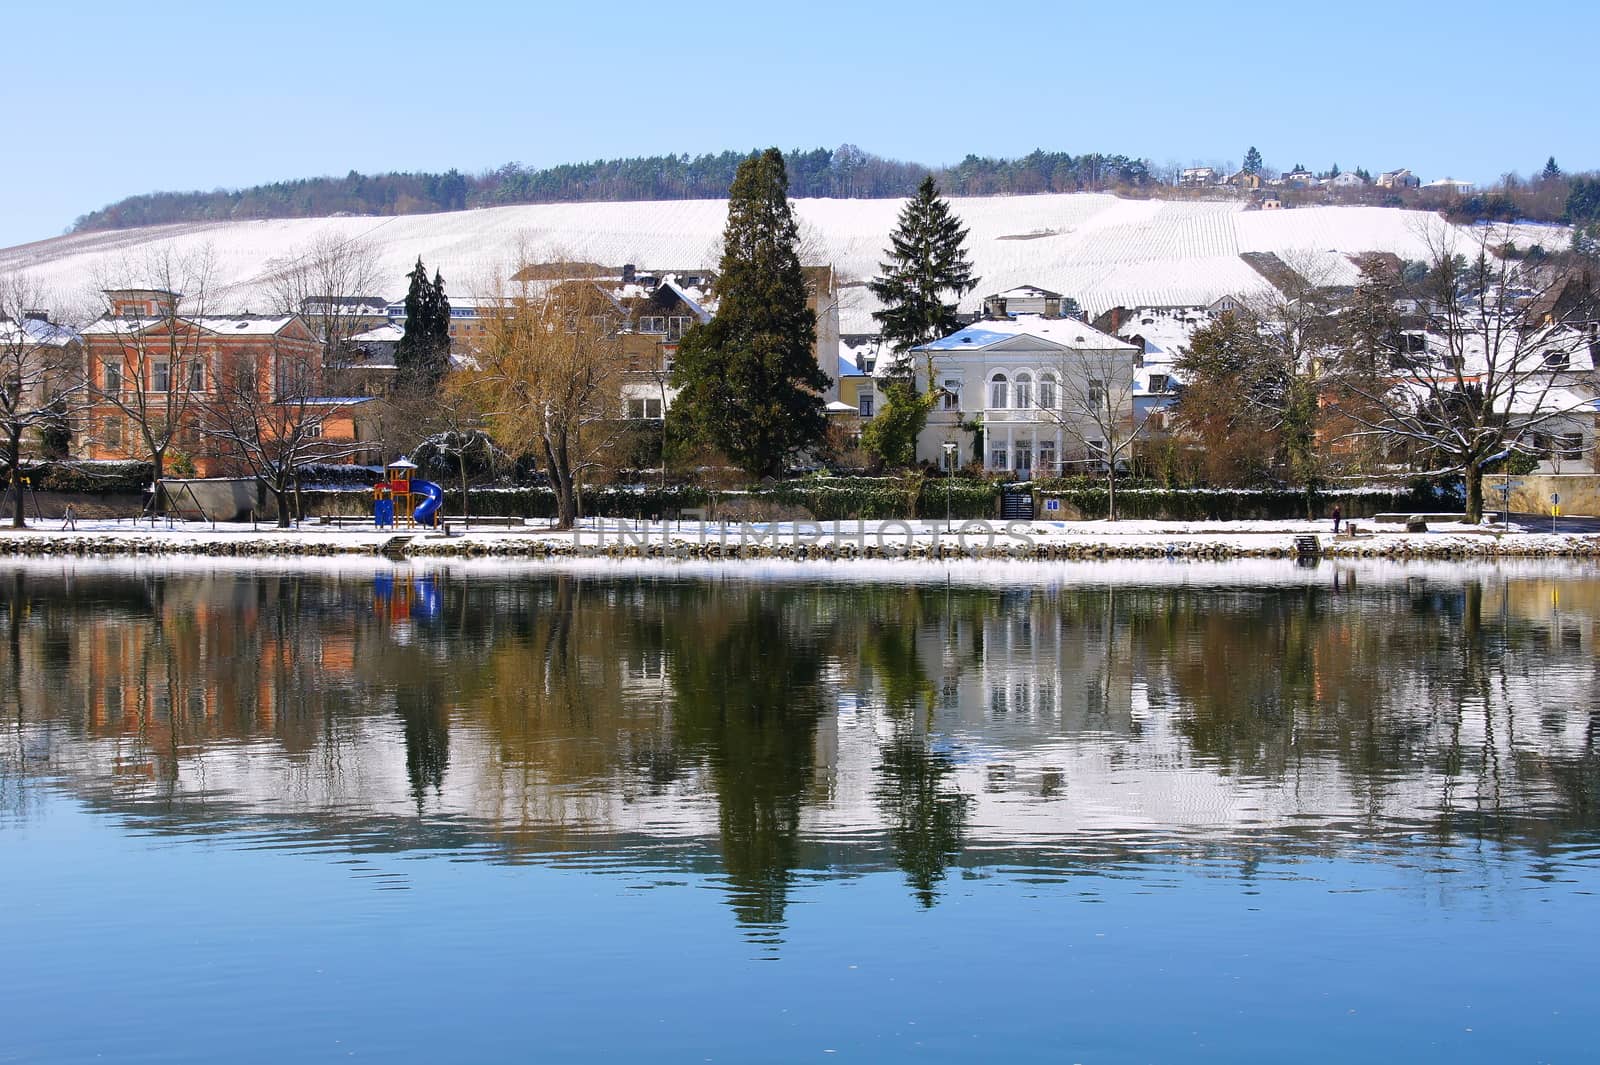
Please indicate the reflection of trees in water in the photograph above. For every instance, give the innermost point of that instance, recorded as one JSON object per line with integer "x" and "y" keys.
{"x": 745, "y": 675}
{"x": 563, "y": 698}
{"x": 924, "y": 812}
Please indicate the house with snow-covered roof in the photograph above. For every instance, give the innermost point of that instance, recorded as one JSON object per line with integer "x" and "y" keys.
{"x": 152, "y": 367}
{"x": 1011, "y": 392}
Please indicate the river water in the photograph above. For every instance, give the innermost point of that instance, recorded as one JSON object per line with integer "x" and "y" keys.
{"x": 1080, "y": 813}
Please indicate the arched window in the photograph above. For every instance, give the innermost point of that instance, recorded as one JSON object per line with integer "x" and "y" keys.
{"x": 1047, "y": 391}
{"x": 997, "y": 392}
{"x": 1024, "y": 391}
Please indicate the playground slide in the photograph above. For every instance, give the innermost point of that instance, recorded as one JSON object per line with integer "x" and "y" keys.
{"x": 433, "y": 499}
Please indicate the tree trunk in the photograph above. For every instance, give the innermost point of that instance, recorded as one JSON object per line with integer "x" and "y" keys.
{"x": 282, "y": 493}
{"x": 466, "y": 511}
{"x": 1111, "y": 490}
{"x": 14, "y": 464}
{"x": 561, "y": 482}
{"x": 1474, "y": 479}
{"x": 158, "y": 464}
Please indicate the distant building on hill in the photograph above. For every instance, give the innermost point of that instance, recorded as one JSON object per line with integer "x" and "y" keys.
{"x": 1398, "y": 179}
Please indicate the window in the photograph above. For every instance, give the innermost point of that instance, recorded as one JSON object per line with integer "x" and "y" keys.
{"x": 641, "y": 408}
{"x": 111, "y": 374}
{"x": 1097, "y": 392}
{"x": 1047, "y": 392}
{"x": 111, "y": 432}
{"x": 677, "y": 326}
{"x": 652, "y": 324}
{"x": 997, "y": 459}
{"x": 312, "y": 431}
{"x": 1024, "y": 397}
{"x": 997, "y": 394}
{"x": 1024, "y": 458}
{"x": 1047, "y": 456}
{"x": 950, "y": 399}
{"x": 197, "y": 375}
{"x": 1452, "y": 362}
{"x": 1571, "y": 445}
{"x": 1158, "y": 382}
{"x": 1557, "y": 360}
{"x": 245, "y": 378}
{"x": 161, "y": 377}
{"x": 864, "y": 401}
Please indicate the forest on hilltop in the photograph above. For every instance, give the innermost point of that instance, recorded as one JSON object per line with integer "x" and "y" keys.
{"x": 844, "y": 172}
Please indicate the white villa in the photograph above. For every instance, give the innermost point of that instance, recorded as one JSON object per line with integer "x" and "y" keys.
{"x": 1014, "y": 393}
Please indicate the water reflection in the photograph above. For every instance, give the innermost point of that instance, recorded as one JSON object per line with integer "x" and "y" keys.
{"x": 776, "y": 731}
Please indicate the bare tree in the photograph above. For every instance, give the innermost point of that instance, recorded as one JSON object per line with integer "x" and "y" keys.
{"x": 268, "y": 418}
{"x": 151, "y": 356}
{"x": 547, "y": 376}
{"x": 40, "y": 377}
{"x": 1493, "y": 362}
{"x": 1089, "y": 395}
{"x": 324, "y": 283}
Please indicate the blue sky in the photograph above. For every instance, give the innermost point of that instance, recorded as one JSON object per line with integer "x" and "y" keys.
{"x": 125, "y": 98}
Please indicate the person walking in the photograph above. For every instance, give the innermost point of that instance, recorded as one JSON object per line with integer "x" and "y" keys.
{"x": 1337, "y": 515}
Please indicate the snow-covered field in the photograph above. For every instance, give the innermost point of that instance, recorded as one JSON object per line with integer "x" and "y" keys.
{"x": 1103, "y": 250}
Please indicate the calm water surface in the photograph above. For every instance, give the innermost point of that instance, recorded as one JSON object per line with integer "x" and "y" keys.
{"x": 1061, "y": 814}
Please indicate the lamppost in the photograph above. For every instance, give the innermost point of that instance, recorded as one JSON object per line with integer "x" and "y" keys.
{"x": 949, "y": 480}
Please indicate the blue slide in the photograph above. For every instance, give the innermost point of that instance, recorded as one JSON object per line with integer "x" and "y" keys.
{"x": 433, "y": 499}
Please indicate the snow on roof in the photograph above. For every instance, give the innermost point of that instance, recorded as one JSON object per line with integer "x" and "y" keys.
{"x": 836, "y": 407}
{"x": 1066, "y": 332}
{"x": 39, "y": 333}
{"x": 1029, "y": 292}
{"x": 337, "y": 401}
{"x": 221, "y": 324}
{"x": 1104, "y": 250}
{"x": 384, "y": 334}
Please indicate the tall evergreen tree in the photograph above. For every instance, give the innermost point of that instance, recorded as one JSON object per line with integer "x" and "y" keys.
{"x": 749, "y": 379}
{"x": 927, "y": 258}
{"x": 423, "y": 355}
{"x": 1252, "y": 161}
{"x": 1551, "y": 170}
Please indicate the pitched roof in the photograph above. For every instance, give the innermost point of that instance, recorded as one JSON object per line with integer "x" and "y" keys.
{"x": 1063, "y": 332}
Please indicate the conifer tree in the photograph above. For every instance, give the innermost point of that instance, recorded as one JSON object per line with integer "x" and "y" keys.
{"x": 1252, "y": 161}
{"x": 927, "y": 258}
{"x": 749, "y": 379}
{"x": 1551, "y": 170}
{"x": 423, "y": 355}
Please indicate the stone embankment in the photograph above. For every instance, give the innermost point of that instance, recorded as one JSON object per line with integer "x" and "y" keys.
{"x": 553, "y": 546}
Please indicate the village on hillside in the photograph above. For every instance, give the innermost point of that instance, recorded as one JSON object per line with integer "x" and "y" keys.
{"x": 1275, "y": 360}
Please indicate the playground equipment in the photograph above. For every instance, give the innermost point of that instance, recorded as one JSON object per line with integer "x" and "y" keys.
{"x": 402, "y": 496}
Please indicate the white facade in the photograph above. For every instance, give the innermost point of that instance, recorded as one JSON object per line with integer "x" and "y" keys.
{"x": 1011, "y": 392}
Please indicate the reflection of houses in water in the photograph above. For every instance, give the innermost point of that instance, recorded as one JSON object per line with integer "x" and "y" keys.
{"x": 1061, "y": 719}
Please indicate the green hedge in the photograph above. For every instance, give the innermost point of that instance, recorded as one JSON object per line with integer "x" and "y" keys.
{"x": 89, "y": 477}
{"x": 1236, "y": 504}
{"x": 826, "y": 499}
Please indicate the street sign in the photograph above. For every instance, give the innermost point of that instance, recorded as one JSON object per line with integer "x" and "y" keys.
{"x": 1555, "y": 499}
{"x": 1508, "y": 486}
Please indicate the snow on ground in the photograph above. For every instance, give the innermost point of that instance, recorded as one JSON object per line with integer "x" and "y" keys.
{"x": 1169, "y": 540}
{"x": 1103, "y": 250}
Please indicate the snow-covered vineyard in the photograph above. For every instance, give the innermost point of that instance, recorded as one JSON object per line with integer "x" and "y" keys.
{"x": 1103, "y": 250}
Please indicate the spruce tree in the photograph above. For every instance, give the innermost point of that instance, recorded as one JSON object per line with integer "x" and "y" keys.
{"x": 927, "y": 258}
{"x": 423, "y": 355}
{"x": 1551, "y": 170}
{"x": 749, "y": 379}
{"x": 1252, "y": 161}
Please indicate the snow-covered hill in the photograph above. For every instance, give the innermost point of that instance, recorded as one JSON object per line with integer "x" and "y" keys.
{"x": 1103, "y": 250}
